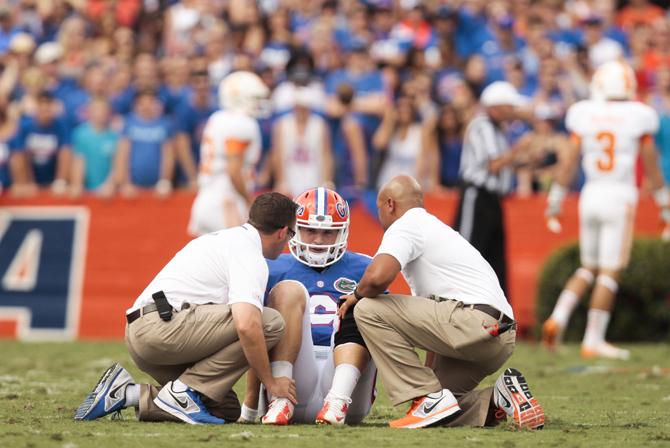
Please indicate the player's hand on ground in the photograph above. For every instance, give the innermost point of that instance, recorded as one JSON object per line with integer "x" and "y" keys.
{"x": 349, "y": 301}
{"x": 283, "y": 387}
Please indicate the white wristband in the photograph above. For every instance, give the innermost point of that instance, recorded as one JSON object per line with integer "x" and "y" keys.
{"x": 662, "y": 197}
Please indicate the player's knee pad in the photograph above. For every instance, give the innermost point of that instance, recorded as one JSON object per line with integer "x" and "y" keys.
{"x": 348, "y": 332}
{"x": 608, "y": 282}
{"x": 585, "y": 275}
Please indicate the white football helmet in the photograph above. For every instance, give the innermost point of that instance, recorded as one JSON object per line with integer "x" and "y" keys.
{"x": 614, "y": 80}
{"x": 244, "y": 92}
{"x": 320, "y": 208}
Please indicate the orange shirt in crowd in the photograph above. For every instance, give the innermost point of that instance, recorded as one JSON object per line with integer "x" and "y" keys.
{"x": 630, "y": 16}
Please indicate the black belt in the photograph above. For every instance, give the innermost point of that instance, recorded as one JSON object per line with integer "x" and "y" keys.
{"x": 491, "y": 311}
{"x": 151, "y": 308}
{"x": 487, "y": 309}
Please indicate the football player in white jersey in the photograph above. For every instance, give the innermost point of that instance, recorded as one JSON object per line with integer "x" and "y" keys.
{"x": 610, "y": 130}
{"x": 230, "y": 149}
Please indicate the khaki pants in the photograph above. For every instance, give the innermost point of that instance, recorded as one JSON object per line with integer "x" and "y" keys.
{"x": 199, "y": 346}
{"x": 393, "y": 325}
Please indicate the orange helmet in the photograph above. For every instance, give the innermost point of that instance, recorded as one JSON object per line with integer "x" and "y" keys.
{"x": 320, "y": 208}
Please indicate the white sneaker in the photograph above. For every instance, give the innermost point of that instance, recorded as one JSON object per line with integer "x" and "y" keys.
{"x": 512, "y": 394}
{"x": 280, "y": 412}
{"x": 334, "y": 410}
{"x": 605, "y": 350}
{"x": 108, "y": 396}
{"x": 428, "y": 410}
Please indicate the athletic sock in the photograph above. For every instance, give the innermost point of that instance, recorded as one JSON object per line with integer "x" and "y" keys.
{"x": 132, "y": 395}
{"x": 281, "y": 368}
{"x": 248, "y": 414}
{"x": 596, "y": 327}
{"x": 344, "y": 380}
{"x": 565, "y": 305}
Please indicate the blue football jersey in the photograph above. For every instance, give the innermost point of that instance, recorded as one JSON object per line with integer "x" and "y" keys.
{"x": 325, "y": 286}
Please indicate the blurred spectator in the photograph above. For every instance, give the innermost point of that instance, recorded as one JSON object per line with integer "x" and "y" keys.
{"x": 94, "y": 144}
{"x": 369, "y": 100}
{"x": 43, "y": 142}
{"x": 93, "y": 84}
{"x": 541, "y": 149}
{"x": 450, "y": 145}
{"x": 7, "y": 27}
{"x": 16, "y": 62}
{"x": 75, "y": 47}
{"x": 301, "y": 151}
{"x": 600, "y": 48}
{"x": 639, "y": 12}
{"x": 659, "y": 99}
{"x": 146, "y": 76}
{"x": 404, "y": 139}
{"x": 348, "y": 142}
{"x": 190, "y": 119}
{"x": 8, "y": 123}
{"x": 553, "y": 91}
{"x": 500, "y": 48}
{"x": 145, "y": 157}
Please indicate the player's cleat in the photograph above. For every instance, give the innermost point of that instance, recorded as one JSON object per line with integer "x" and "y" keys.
{"x": 552, "y": 334}
{"x": 605, "y": 350}
{"x": 108, "y": 395}
{"x": 334, "y": 410}
{"x": 185, "y": 404}
{"x": 512, "y": 394}
{"x": 438, "y": 407}
{"x": 280, "y": 412}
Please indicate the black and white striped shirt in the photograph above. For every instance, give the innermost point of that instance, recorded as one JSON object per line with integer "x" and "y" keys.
{"x": 483, "y": 142}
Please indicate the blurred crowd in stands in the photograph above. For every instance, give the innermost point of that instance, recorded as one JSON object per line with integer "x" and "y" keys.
{"x": 110, "y": 96}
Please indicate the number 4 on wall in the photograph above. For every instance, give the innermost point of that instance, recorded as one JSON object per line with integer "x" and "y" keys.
{"x": 42, "y": 253}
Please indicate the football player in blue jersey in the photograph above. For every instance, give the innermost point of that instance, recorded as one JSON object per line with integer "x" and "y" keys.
{"x": 327, "y": 357}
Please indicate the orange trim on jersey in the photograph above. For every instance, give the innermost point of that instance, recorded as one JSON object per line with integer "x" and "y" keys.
{"x": 235, "y": 147}
{"x": 574, "y": 138}
{"x": 646, "y": 139}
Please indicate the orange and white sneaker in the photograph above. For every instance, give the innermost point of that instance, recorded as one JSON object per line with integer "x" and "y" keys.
{"x": 552, "y": 334}
{"x": 512, "y": 394}
{"x": 334, "y": 411}
{"x": 428, "y": 410}
{"x": 605, "y": 350}
{"x": 280, "y": 412}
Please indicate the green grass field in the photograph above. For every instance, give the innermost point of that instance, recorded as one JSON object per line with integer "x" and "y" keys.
{"x": 588, "y": 404}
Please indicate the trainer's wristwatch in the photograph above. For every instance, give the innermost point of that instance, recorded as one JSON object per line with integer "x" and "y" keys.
{"x": 357, "y": 294}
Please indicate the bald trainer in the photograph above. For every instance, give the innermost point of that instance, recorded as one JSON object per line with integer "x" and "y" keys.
{"x": 457, "y": 312}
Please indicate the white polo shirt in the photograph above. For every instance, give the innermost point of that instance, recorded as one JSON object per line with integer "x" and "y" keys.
{"x": 435, "y": 259}
{"x": 223, "y": 267}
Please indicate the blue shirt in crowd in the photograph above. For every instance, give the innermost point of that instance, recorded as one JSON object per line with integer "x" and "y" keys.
{"x": 42, "y": 142}
{"x": 146, "y": 140}
{"x": 97, "y": 148}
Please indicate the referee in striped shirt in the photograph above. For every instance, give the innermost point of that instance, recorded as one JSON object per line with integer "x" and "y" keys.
{"x": 486, "y": 175}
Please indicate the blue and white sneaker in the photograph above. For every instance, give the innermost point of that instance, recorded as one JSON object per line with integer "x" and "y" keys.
{"x": 179, "y": 400}
{"x": 108, "y": 396}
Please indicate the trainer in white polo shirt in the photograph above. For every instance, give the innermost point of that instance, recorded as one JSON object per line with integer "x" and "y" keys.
{"x": 457, "y": 311}
{"x": 200, "y": 324}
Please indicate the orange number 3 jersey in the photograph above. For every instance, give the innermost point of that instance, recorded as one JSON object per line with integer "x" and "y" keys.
{"x": 228, "y": 134}
{"x": 610, "y": 133}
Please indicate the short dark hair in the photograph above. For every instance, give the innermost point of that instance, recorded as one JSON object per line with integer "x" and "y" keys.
{"x": 272, "y": 211}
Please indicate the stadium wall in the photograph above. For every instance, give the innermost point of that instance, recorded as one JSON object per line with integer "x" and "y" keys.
{"x": 70, "y": 269}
